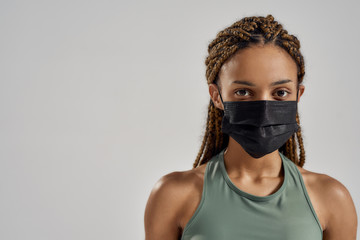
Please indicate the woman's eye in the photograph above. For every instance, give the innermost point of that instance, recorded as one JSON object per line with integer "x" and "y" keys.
{"x": 241, "y": 92}
{"x": 283, "y": 93}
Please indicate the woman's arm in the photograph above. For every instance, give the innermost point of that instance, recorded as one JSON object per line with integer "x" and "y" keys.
{"x": 342, "y": 217}
{"x": 163, "y": 208}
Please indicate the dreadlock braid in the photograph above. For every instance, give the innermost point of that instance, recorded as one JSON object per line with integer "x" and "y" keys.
{"x": 239, "y": 35}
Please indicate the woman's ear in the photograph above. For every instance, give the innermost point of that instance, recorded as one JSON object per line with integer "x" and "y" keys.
{"x": 215, "y": 97}
{"x": 301, "y": 91}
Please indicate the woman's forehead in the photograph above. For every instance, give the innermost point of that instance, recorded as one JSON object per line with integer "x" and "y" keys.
{"x": 259, "y": 65}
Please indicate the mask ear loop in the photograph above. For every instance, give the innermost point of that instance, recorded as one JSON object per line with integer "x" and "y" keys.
{"x": 219, "y": 94}
{"x": 297, "y": 93}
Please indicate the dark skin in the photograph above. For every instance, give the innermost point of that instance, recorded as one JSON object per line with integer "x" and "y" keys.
{"x": 176, "y": 195}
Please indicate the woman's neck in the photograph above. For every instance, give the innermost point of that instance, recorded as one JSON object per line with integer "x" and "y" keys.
{"x": 240, "y": 164}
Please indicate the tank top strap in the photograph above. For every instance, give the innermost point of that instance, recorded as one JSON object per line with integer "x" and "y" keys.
{"x": 213, "y": 178}
{"x": 297, "y": 189}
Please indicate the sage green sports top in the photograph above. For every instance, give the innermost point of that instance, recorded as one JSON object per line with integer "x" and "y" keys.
{"x": 227, "y": 213}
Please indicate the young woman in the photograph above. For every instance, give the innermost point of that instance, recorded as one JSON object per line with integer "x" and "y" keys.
{"x": 247, "y": 181}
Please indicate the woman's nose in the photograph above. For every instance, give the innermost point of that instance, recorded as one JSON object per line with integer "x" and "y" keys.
{"x": 263, "y": 96}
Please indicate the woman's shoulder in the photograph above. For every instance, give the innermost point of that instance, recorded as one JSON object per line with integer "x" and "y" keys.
{"x": 176, "y": 192}
{"x": 321, "y": 180}
{"x": 183, "y": 181}
{"x": 177, "y": 186}
{"x": 325, "y": 185}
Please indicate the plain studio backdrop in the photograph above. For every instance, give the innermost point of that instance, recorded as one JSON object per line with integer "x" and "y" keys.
{"x": 99, "y": 99}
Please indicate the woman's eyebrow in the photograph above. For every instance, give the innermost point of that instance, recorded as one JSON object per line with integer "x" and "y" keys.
{"x": 253, "y": 85}
{"x": 280, "y": 82}
{"x": 244, "y": 83}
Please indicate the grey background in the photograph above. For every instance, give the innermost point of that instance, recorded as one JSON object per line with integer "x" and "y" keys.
{"x": 99, "y": 99}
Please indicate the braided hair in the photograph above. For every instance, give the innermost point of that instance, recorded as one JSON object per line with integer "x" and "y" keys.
{"x": 239, "y": 35}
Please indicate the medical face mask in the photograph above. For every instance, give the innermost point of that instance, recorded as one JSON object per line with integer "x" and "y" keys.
{"x": 260, "y": 127}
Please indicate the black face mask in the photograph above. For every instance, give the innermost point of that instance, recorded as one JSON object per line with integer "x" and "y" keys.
{"x": 260, "y": 127}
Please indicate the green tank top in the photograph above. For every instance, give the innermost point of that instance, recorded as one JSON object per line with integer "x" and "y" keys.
{"x": 227, "y": 213}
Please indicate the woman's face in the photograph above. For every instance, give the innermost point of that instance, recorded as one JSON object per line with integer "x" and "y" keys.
{"x": 257, "y": 73}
